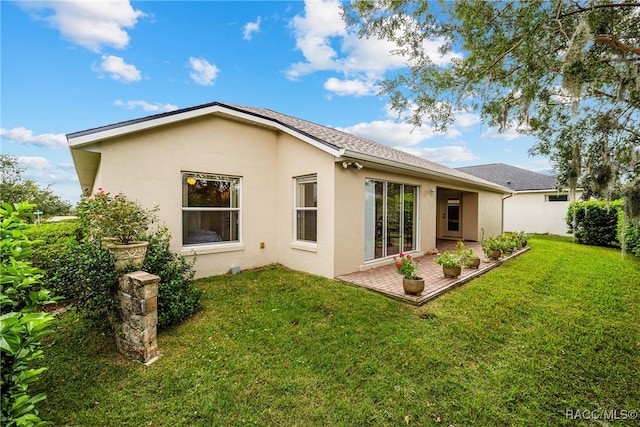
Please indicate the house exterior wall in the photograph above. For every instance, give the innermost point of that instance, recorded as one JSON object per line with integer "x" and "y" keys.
{"x": 532, "y": 213}
{"x": 484, "y": 213}
{"x": 350, "y": 215}
{"x": 489, "y": 214}
{"x": 147, "y": 166}
{"x": 470, "y": 229}
{"x": 296, "y": 159}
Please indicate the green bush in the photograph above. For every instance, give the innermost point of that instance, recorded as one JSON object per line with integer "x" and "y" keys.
{"x": 177, "y": 297}
{"x": 22, "y": 323}
{"x": 87, "y": 276}
{"x": 599, "y": 224}
{"x": 595, "y": 223}
{"x": 632, "y": 234}
{"x": 53, "y": 242}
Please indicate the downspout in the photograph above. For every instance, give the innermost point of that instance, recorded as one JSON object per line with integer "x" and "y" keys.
{"x": 503, "y": 199}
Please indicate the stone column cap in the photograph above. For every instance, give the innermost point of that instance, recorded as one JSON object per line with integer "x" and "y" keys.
{"x": 142, "y": 276}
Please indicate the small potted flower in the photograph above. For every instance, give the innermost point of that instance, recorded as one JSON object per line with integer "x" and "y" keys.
{"x": 408, "y": 267}
{"x": 451, "y": 264}
{"x": 118, "y": 223}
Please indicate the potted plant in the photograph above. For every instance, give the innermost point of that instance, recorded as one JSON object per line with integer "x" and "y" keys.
{"x": 492, "y": 247}
{"x": 523, "y": 238}
{"x": 118, "y": 223}
{"x": 451, "y": 264}
{"x": 470, "y": 259}
{"x": 510, "y": 242}
{"x": 468, "y": 256}
{"x": 408, "y": 267}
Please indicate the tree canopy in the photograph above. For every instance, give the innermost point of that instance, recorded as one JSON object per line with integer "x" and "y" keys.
{"x": 14, "y": 188}
{"x": 564, "y": 71}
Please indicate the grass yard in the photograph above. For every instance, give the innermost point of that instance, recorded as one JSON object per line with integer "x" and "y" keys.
{"x": 555, "y": 329}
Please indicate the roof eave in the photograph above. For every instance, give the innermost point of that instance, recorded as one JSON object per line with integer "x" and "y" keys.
{"x": 83, "y": 138}
{"x": 424, "y": 171}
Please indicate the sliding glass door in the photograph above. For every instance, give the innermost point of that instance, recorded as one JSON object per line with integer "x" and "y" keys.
{"x": 390, "y": 218}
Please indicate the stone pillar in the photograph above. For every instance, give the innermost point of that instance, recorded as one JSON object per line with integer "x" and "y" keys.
{"x": 136, "y": 327}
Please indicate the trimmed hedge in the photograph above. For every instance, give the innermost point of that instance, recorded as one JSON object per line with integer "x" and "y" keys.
{"x": 53, "y": 242}
{"x": 599, "y": 224}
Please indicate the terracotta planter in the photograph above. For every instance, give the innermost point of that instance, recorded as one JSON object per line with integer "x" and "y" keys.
{"x": 413, "y": 286}
{"x": 452, "y": 272}
{"x": 495, "y": 254}
{"x": 130, "y": 254}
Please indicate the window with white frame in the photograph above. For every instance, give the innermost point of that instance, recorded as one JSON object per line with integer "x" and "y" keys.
{"x": 210, "y": 208}
{"x": 306, "y": 208}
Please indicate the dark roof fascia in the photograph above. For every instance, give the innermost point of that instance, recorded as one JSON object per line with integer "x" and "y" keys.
{"x": 138, "y": 120}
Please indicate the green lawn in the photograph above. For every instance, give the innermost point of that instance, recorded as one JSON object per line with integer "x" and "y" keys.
{"x": 555, "y": 329}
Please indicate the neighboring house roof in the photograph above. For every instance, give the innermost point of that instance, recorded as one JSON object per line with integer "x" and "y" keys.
{"x": 517, "y": 179}
{"x": 339, "y": 144}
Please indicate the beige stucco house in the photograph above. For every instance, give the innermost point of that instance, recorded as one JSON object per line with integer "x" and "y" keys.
{"x": 247, "y": 187}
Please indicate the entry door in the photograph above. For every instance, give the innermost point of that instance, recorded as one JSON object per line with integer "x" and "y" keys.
{"x": 452, "y": 217}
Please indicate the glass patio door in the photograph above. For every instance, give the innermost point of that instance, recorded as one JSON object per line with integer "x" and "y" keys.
{"x": 390, "y": 219}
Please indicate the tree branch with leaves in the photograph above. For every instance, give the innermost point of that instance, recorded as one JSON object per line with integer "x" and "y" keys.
{"x": 565, "y": 71}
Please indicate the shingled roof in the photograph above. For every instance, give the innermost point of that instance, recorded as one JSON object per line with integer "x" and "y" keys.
{"x": 357, "y": 144}
{"x": 517, "y": 179}
{"x": 332, "y": 140}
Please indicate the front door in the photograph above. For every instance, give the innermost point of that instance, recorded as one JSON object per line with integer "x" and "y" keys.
{"x": 451, "y": 216}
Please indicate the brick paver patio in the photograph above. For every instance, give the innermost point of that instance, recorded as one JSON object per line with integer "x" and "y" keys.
{"x": 387, "y": 281}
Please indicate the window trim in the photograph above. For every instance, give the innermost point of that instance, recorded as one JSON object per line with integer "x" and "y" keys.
{"x": 223, "y": 245}
{"x": 557, "y": 197}
{"x": 416, "y": 228}
{"x": 299, "y": 243}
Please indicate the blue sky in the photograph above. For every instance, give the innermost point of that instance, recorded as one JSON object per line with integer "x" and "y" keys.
{"x": 70, "y": 66}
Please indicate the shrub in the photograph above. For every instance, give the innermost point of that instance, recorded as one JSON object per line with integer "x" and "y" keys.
{"x": 631, "y": 235}
{"x": 595, "y": 223}
{"x": 53, "y": 242}
{"x": 22, "y": 323}
{"x": 177, "y": 297}
{"x": 87, "y": 277}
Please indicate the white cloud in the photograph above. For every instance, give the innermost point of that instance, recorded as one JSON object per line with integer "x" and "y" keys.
{"x": 250, "y": 28}
{"x": 44, "y": 173}
{"x": 118, "y": 69}
{"x": 326, "y": 44}
{"x": 91, "y": 24}
{"x": 507, "y": 135}
{"x": 203, "y": 72}
{"x": 466, "y": 120}
{"x": 351, "y": 87}
{"x": 146, "y": 106}
{"x": 453, "y": 133}
{"x": 448, "y": 154}
{"x": 391, "y": 133}
{"x": 25, "y": 136}
{"x": 35, "y": 162}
